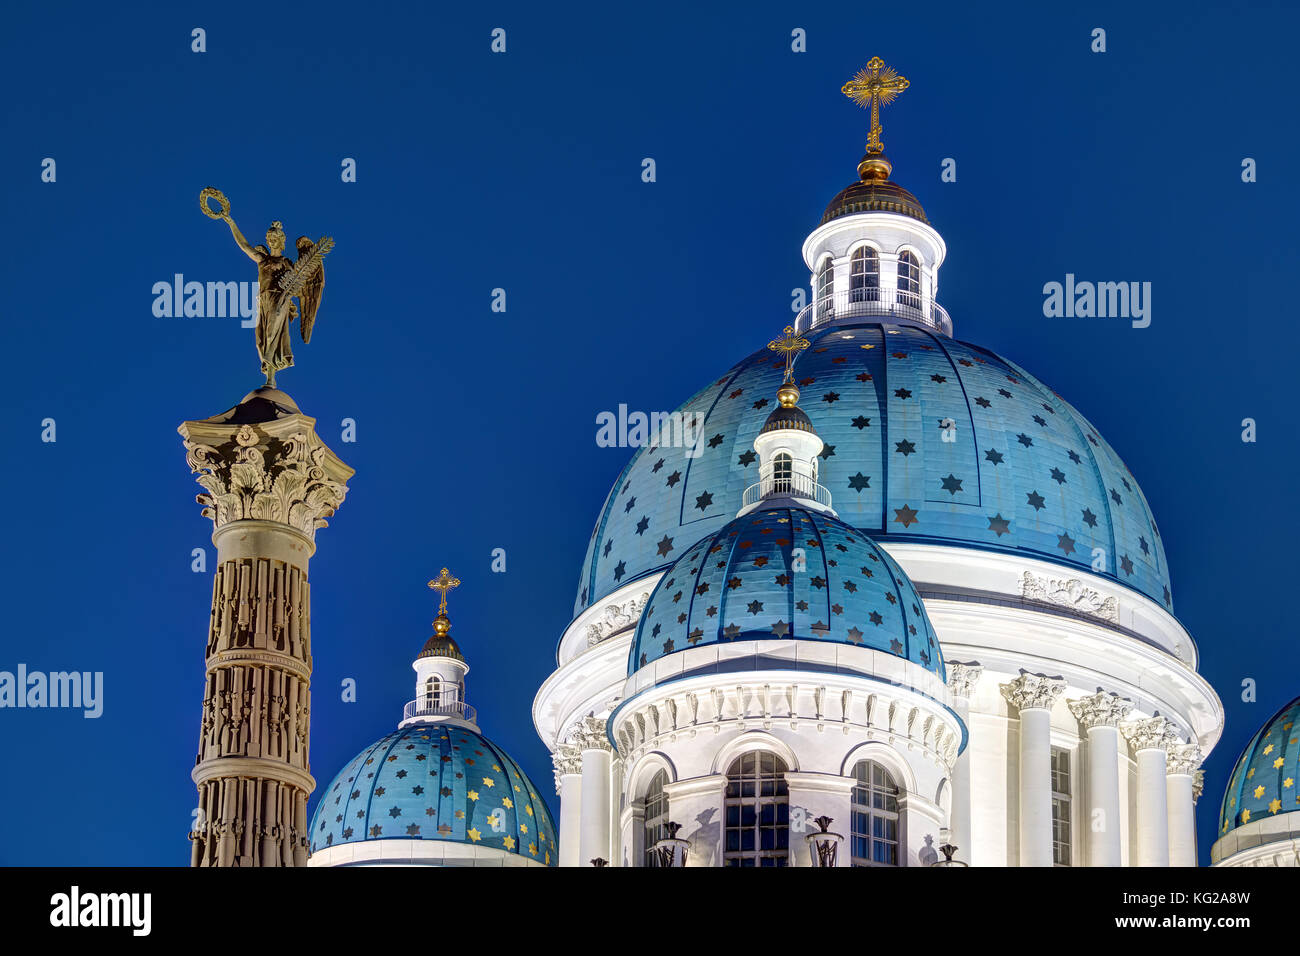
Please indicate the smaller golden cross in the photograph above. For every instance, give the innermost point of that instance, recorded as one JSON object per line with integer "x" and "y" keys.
{"x": 874, "y": 85}
{"x": 443, "y": 583}
{"x": 790, "y": 345}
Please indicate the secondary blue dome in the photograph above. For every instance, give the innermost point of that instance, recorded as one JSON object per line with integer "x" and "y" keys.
{"x": 1265, "y": 780}
{"x": 1017, "y": 470}
{"x": 740, "y": 583}
{"x": 435, "y": 782}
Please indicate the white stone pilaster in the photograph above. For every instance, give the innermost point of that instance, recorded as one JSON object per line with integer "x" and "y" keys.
{"x": 697, "y": 804}
{"x": 962, "y": 679}
{"x": 815, "y": 795}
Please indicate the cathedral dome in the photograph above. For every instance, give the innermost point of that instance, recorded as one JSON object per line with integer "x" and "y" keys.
{"x": 927, "y": 439}
{"x": 1264, "y": 781}
{"x": 874, "y": 196}
{"x": 740, "y": 583}
{"x": 436, "y": 781}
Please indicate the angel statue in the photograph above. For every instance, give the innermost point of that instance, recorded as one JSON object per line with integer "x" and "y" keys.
{"x": 279, "y": 281}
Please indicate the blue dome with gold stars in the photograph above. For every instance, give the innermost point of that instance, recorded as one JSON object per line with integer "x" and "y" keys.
{"x": 786, "y": 574}
{"x": 1264, "y": 781}
{"x": 435, "y": 781}
{"x": 927, "y": 439}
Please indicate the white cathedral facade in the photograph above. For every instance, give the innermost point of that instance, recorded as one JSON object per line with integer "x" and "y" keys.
{"x": 740, "y": 689}
{"x": 899, "y": 605}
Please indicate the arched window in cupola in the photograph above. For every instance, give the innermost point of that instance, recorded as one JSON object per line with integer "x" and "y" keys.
{"x": 825, "y": 288}
{"x": 864, "y": 276}
{"x": 909, "y": 279}
{"x": 782, "y": 470}
{"x": 758, "y": 811}
{"x": 875, "y": 815}
{"x": 432, "y": 693}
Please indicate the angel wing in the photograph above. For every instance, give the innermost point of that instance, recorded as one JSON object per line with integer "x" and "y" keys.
{"x": 309, "y": 294}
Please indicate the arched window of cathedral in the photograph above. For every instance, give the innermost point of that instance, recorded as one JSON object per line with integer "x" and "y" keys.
{"x": 864, "y": 276}
{"x": 757, "y": 811}
{"x": 825, "y": 288}
{"x": 432, "y": 693}
{"x": 909, "y": 280}
{"x": 782, "y": 468}
{"x": 656, "y": 816}
{"x": 875, "y": 816}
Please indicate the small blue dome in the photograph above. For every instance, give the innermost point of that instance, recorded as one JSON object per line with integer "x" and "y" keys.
{"x": 1266, "y": 779}
{"x": 435, "y": 782}
{"x": 740, "y": 583}
{"x": 1016, "y": 470}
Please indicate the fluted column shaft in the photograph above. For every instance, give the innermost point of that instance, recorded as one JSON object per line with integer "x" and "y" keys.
{"x": 1034, "y": 696}
{"x": 568, "y": 784}
{"x": 594, "y": 839}
{"x": 1180, "y": 789}
{"x": 1100, "y": 716}
{"x": 1151, "y": 738}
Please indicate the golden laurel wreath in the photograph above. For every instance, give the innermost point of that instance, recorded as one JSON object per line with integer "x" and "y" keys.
{"x": 222, "y": 201}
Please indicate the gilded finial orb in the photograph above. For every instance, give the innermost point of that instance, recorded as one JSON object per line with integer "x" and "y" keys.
{"x": 788, "y": 395}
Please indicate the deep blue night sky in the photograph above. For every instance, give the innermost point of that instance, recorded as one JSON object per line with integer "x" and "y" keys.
{"x": 476, "y": 430}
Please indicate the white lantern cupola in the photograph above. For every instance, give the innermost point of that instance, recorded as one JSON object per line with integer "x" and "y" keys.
{"x": 875, "y": 252}
{"x": 788, "y": 447}
{"x": 440, "y": 671}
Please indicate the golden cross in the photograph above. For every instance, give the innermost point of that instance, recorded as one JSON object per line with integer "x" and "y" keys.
{"x": 790, "y": 345}
{"x": 443, "y": 583}
{"x": 875, "y": 84}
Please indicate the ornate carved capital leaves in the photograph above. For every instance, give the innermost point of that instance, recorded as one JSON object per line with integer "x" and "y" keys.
{"x": 1069, "y": 593}
{"x": 1033, "y": 691}
{"x": 1151, "y": 733}
{"x": 1184, "y": 759}
{"x": 567, "y": 760}
{"x": 275, "y": 471}
{"x": 590, "y": 734}
{"x": 962, "y": 678}
{"x": 1101, "y": 710}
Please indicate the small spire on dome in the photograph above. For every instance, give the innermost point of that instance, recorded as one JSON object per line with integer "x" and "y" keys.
{"x": 789, "y": 345}
{"x": 872, "y": 87}
{"x": 443, "y": 583}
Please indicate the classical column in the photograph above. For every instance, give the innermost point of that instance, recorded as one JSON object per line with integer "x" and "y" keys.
{"x": 568, "y": 784}
{"x": 962, "y": 679}
{"x": 1151, "y": 738}
{"x": 1034, "y": 695}
{"x": 1181, "y": 793}
{"x": 593, "y": 840}
{"x": 269, "y": 483}
{"x": 1100, "y": 716}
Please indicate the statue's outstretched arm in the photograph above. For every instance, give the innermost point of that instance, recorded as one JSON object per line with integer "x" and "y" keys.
{"x": 243, "y": 243}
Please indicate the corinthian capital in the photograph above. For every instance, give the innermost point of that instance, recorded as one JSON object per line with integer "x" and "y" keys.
{"x": 264, "y": 461}
{"x": 1184, "y": 759}
{"x": 567, "y": 760}
{"x": 591, "y": 735}
{"x": 962, "y": 678}
{"x": 1101, "y": 710}
{"x": 1151, "y": 733}
{"x": 1033, "y": 691}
